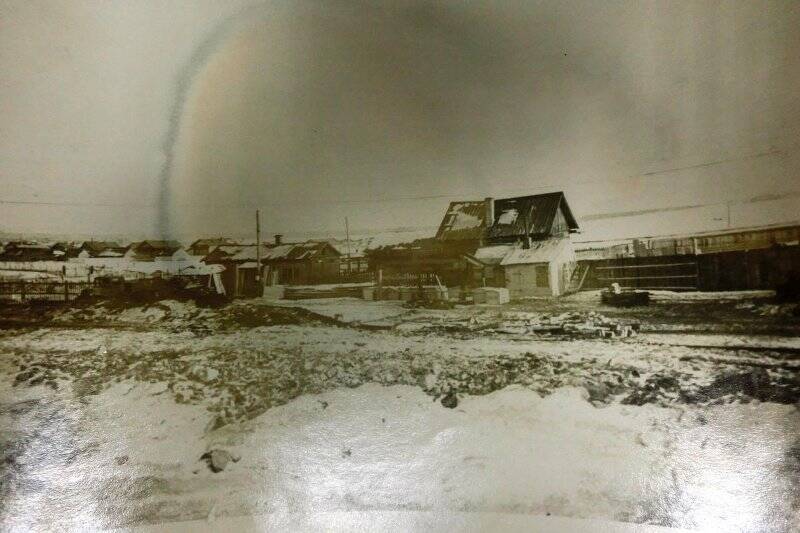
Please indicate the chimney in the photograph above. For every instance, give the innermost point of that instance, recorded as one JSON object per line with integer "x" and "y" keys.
{"x": 488, "y": 206}
{"x": 278, "y": 239}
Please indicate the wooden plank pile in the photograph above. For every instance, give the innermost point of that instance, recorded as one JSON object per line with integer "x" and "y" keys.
{"x": 625, "y": 298}
{"x": 306, "y": 293}
{"x": 491, "y": 295}
{"x": 590, "y": 324}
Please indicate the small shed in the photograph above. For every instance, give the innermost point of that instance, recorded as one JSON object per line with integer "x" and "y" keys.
{"x": 223, "y": 255}
{"x": 543, "y": 269}
{"x": 306, "y": 263}
{"x": 352, "y": 254}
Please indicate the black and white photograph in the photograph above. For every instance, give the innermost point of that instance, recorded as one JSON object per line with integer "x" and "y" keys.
{"x": 400, "y": 265}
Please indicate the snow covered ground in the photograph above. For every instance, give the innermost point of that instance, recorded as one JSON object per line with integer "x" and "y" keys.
{"x": 328, "y": 425}
{"x": 131, "y": 455}
{"x": 429, "y": 521}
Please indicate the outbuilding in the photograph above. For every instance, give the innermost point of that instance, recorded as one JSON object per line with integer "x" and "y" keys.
{"x": 543, "y": 269}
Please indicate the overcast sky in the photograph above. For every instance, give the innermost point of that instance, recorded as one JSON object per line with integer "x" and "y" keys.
{"x": 181, "y": 117}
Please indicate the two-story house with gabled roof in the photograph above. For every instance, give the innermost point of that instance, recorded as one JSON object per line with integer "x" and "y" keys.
{"x": 521, "y": 243}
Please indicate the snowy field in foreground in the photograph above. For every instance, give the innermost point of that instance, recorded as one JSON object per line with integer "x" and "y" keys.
{"x": 387, "y": 449}
{"x": 107, "y": 422}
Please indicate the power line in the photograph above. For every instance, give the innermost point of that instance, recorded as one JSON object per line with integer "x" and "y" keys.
{"x": 714, "y": 163}
{"x": 753, "y": 200}
{"x": 528, "y": 189}
{"x": 594, "y": 216}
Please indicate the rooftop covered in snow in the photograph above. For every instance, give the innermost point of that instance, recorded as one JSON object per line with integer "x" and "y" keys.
{"x": 537, "y": 215}
{"x": 463, "y": 220}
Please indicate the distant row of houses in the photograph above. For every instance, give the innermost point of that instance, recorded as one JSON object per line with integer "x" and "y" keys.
{"x": 92, "y": 259}
{"x": 310, "y": 262}
{"x": 148, "y": 250}
{"x": 521, "y": 243}
{"x": 351, "y": 253}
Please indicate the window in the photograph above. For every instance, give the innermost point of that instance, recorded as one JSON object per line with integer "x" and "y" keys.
{"x": 542, "y": 276}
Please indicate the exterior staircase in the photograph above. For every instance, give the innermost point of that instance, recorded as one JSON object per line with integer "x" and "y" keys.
{"x": 578, "y": 277}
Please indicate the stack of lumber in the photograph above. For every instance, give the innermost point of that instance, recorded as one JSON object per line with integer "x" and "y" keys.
{"x": 491, "y": 295}
{"x": 572, "y": 324}
{"x": 625, "y": 298}
{"x": 306, "y": 293}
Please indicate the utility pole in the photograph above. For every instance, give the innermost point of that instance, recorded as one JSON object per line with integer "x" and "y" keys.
{"x": 347, "y": 236}
{"x": 729, "y": 214}
{"x": 259, "y": 292}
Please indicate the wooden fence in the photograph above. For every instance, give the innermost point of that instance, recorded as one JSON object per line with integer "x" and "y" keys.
{"x": 725, "y": 271}
{"x": 675, "y": 273}
{"x": 336, "y": 278}
{"x": 61, "y": 269}
{"x": 409, "y": 279}
{"x": 42, "y": 291}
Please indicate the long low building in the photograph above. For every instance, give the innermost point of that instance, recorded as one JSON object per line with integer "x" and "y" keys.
{"x": 709, "y": 242}
{"x": 741, "y": 259}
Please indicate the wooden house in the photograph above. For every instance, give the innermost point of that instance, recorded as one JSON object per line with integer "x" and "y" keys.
{"x": 300, "y": 264}
{"x": 90, "y": 249}
{"x": 446, "y": 258}
{"x": 203, "y": 247}
{"x": 425, "y": 261}
{"x": 25, "y": 251}
{"x": 520, "y": 243}
{"x": 65, "y": 250}
{"x": 352, "y": 255}
{"x": 529, "y": 247}
{"x": 306, "y": 263}
{"x": 223, "y": 255}
{"x": 152, "y": 250}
